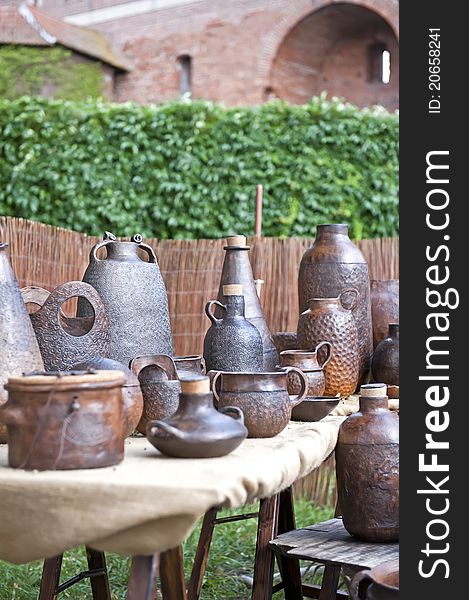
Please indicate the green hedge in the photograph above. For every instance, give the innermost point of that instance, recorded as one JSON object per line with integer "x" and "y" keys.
{"x": 189, "y": 169}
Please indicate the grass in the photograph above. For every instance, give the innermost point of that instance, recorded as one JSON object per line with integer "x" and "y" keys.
{"x": 231, "y": 555}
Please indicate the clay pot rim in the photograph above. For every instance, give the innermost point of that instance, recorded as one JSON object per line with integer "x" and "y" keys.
{"x": 101, "y": 380}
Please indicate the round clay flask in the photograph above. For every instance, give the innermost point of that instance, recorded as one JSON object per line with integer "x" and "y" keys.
{"x": 385, "y": 364}
{"x": 367, "y": 467}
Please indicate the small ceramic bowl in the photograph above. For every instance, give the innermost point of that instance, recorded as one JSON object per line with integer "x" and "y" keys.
{"x": 314, "y": 408}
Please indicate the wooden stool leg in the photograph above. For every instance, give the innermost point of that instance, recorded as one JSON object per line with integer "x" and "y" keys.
{"x": 201, "y": 555}
{"x": 264, "y": 561}
{"x": 289, "y": 567}
{"x": 142, "y": 577}
{"x": 100, "y": 583}
{"x": 173, "y": 584}
{"x": 50, "y": 578}
{"x": 330, "y": 582}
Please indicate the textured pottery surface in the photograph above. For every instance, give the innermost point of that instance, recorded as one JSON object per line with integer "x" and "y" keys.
{"x": 327, "y": 320}
{"x": 285, "y": 340}
{"x": 331, "y": 265}
{"x": 263, "y": 398}
{"x": 197, "y": 429}
{"x": 160, "y": 387}
{"x": 19, "y": 347}
{"x": 65, "y": 341}
{"x": 237, "y": 269}
{"x": 132, "y": 397}
{"x": 314, "y": 409}
{"x": 134, "y": 295}
{"x": 379, "y": 583}
{"x": 385, "y": 364}
{"x": 384, "y": 306}
{"x": 367, "y": 466}
{"x": 312, "y": 367}
{"x": 190, "y": 365}
{"x": 69, "y": 422}
{"x": 232, "y": 343}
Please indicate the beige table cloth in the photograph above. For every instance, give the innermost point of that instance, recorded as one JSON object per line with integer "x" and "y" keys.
{"x": 148, "y": 503}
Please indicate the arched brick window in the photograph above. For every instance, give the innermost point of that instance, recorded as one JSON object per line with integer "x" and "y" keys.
{"x": 185, "y": 74}
{"x": 379, "y": 61}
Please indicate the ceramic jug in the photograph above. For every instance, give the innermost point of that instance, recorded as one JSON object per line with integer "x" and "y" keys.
{"x": 385, "y": 364}
{"x": 312, "y": 367}
{"x": 134, "y": 296}
{"x": 19, "y": 348}
{"x": 327, "y": 320}
{"x": 378, "y": 583}
{"x": 197, "y": 429}
{"x": 232, "y": 343}
{"x": 66, "y": 341}
{"x": 384, "y": 306}
{"x": 331, "y": 265}
{"x": 237, "y": 269}
{"x": 367, "y": 467}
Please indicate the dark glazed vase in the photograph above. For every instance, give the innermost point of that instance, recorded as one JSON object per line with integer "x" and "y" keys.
{"x": 327, "y": 320}
{"x": 134, "y": 296}
{"x": 237, "y": 269}
{"x": 367, "y": 467}
{"x": 379, "y": 583}
{"x": 384, "y": 307}
{"x": 385, "y": 365}
{"x": 232, "y": 343}
{"x": 19, "y": 348}
{"x": 197, "y": 429}
{"x": 66, "y": 341}
{"x": 331, "y": 265}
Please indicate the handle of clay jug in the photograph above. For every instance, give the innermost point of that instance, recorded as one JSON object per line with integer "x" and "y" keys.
{"x": 155, "y": 425}
{"x": 327, "y": 345}
{"x": 304, "y": 386}
{"x": 359, "y": 584}
{"x": 12, "y": 415}
{"x": 108, "y": 238}
{"x": 357, "y": 297}
{"x": 203, "y": 366}
{"x": 213, "y": 384}
{"x": 73, "y": 289}
{"x": 162, "y": 361}
{"x": 137, "y": 238}
{"x": 233, "y": 409}
{"x": 33, "y": 294}
{"x": 208, "y": 311}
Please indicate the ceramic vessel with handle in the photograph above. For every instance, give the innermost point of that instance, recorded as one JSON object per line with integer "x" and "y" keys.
{"x": 263, "y": 398}
{"x": 311, "y": 365}
{"x": 379, "y": 583}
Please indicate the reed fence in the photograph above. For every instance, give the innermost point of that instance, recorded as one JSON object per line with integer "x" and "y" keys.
{"x": 47, "y": 256}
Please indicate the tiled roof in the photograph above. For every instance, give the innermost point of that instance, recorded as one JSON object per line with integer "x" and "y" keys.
{"x": 29, "y": 26}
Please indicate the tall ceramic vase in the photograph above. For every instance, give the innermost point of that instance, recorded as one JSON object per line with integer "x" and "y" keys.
{"x": 134, "y": 296}
{"x": 332, "y": 264}
{"x": 19, "y": 348}
{"x": 237, "y": 269}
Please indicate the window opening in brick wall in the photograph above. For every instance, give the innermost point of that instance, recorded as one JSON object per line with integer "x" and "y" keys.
{"x": 379, "y": 59}
{"x": 185, "y": 74}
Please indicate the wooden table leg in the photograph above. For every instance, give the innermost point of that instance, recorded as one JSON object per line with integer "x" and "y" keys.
{"x": 173, "y": 584}
{"x": 264, "y": 560}
{"x": 330, "y": 582}
{"x": 50, "y": 578}
{"x": 100, "y": 583}
{"x": 289, "y": 567}
{"x": 201, "y": 555}
{"x": 142, "y": 577}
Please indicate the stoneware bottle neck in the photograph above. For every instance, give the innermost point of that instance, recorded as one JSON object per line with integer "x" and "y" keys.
{"x": 325, "y": 303}
{"x": 191, "y": 403}
{"x": 371, "y": 405}
{"x": 338, "y": 232}
{"x": 123, "y": 251}
{"x": 235, "y": 306}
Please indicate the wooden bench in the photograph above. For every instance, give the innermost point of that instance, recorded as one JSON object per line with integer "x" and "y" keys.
{"x": 330, "y": 544}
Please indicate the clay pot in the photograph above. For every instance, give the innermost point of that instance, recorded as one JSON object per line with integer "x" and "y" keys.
{"x": 232, "y": 343}
{"x": 263, "y": 398}
{"x": 285, "y": 340}
{"x": 19, "y": 347}
{"x": 190, "y": 365}
{"x": 331, "y": 265}
{"x": 327, "y": 319}
{"x": 237, "y": 269}
{"x": 71, "y": 421}
{"x": 385, "y": 364}
{"x": 379, "y": 583}
{"x": 197, "y": 429}
{"x": 160, "y": 387}
{"x": 134, "y": 296}
{"x": 66, "y": 341}
{"x": 310, "y": 365}
{"x": 367, "y": 466}
{"x": 384, "y": 306}
{"x": 132, "y": 399}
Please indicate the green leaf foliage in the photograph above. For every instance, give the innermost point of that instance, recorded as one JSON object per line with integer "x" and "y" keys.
{"x": 189, "y": 169}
